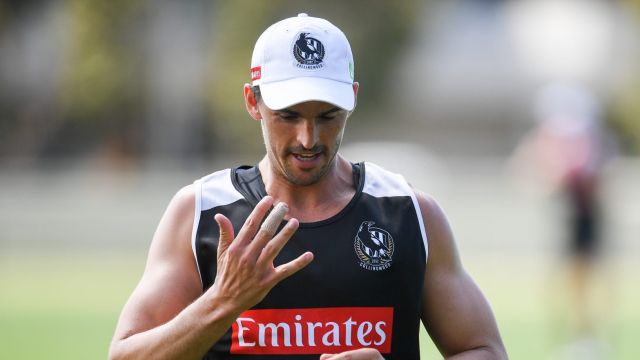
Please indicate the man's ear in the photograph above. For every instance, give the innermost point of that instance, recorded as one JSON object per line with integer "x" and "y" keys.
{"x": 251, "y": 103}
{"x": 356, "y": 86}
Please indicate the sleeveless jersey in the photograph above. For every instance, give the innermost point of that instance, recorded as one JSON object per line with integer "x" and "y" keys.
{"x": 363, "y": 288}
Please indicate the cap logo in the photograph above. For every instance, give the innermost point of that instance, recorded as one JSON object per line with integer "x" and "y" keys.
{"x": 308, "y": 52}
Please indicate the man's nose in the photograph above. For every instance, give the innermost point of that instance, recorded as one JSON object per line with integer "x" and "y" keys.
{"x": 308, "y": 134}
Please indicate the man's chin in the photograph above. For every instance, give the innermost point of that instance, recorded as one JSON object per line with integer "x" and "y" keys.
{"x": 304, "y": 178}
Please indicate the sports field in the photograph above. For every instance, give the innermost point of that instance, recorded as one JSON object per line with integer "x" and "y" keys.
{"x": 70, "y": 255}
{"x": 64, "y": 304}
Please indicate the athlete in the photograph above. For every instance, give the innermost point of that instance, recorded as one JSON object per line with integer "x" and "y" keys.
{"x": 305, "y": 255}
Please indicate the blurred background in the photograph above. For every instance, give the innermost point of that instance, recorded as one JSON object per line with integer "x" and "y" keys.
{"x": 521, "y": 117}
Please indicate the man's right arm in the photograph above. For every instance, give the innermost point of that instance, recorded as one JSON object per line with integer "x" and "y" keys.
{"x": 161, "y": 318}
{"x": 167, "y": 315}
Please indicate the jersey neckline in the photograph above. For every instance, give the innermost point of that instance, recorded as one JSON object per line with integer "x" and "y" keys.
{"x": 248, "y": 181}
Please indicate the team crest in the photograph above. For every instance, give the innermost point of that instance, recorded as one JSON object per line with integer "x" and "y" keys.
{"x": 308, "y": 52}
{"x": 374, "y": 247}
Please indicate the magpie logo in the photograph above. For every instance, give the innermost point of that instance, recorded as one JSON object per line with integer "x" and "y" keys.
{"x": 308, "y": 52}
{"x": 374, "y": 247}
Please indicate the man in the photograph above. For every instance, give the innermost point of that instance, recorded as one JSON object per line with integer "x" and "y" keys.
{"x": 347, "y": 273}
{"x": 567, "y": 152}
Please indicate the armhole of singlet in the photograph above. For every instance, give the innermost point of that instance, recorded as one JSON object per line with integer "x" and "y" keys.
{"x": 197, "y": 187}
{"x": 399, "y": 186}
{"x": 423, "y": 232}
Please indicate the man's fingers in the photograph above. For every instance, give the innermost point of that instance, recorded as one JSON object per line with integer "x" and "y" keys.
{"x": 250, "y": 227}
{"x": 285, "y": 270}
{"x": 359, "y": 354}
{"x": 269, "y": 247}
{"x": 327, "y": 356}
{"x": 268, "y": 229}
{"x": 272, "y": 222}
{"x": 264, "y": 247}
{"x": 226, "y": 233}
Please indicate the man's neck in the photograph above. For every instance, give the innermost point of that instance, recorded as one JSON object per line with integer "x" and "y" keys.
{"x": 315, "y": 202}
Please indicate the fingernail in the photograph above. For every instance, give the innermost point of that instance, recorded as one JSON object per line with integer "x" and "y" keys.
{"x": 292, "y": 222}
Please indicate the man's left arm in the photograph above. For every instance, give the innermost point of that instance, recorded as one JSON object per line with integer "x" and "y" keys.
{"x": 455, "y": 312}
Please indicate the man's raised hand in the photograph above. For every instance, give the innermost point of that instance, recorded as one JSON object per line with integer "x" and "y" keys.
{"x": 245, "y": 271}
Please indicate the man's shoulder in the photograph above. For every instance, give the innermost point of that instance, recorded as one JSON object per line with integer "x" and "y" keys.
{"x": 382, "y": 182}
{"x": 217, "y": 189}
{"x": 216, "y": 176}
{"x": 181, "y": 206}
{"x": 379, "y": 171}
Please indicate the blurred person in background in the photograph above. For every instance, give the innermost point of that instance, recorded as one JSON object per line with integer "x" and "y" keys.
{"x": 345, "y": 277}
{"x": 568, "y": 151}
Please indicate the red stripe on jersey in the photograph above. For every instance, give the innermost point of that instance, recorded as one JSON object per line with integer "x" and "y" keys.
{"x": 312, "y": 331}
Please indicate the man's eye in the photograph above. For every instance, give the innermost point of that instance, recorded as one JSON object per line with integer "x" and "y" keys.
{"x": 286, "y": 116}
{"x": 328, "y": 117}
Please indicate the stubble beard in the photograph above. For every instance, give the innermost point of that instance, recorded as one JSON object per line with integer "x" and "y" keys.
{"x": 314, "y": 176}
{"x": 283, "y": 170}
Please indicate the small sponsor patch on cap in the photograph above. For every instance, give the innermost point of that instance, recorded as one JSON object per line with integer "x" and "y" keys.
{"x": 256, "y": 73}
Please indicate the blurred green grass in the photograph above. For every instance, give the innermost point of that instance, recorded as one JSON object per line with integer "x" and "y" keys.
{"x": 63, "y": 305}
{"x": 60, "y": 304}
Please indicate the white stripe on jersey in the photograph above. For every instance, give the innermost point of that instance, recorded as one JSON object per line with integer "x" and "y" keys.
{"x": 212, "y": 190}
{"x": 383, "y": 183}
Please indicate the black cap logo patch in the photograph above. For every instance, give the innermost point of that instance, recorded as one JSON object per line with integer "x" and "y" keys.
{"x": 308, "y": 52}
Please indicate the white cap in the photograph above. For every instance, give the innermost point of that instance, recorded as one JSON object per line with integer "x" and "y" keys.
{"x": 302, "y": 59}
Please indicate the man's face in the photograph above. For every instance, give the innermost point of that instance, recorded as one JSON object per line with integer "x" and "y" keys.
{"x": 302, "y": 140}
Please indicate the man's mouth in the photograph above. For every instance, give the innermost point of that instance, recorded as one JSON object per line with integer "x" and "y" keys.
{"x": 306, "y": 157}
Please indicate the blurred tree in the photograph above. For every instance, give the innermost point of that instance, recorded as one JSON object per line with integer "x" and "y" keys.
{"x": 377, "y": 31}
{"x": 625, "y": 112}
{"x": 625, "y": 115}
{"x": 30, "y": 56}
{"x": 85, "y": 78}
{"x": 634, "y": 5}
{"x": 176, "y": 54}
{"x": 100, "y": 92}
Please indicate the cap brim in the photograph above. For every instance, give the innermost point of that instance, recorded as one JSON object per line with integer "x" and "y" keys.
{"x": 282, "y": 94}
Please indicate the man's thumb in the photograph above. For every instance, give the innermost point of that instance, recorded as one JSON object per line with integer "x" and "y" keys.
{"x": 226, "y": 233}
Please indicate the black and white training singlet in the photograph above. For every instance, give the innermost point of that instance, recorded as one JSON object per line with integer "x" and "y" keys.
{"x": 363, "y": 288}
